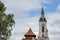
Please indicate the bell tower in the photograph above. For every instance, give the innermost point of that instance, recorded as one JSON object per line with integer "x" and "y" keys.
{"x": 43, "y": 31}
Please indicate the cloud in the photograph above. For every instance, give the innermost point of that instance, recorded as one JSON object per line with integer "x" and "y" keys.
{"x": 24, "y": 4}
{"x": 54, "y": 25}
{"x": 22, "y": 26}
{"x": 20, "y": 8}
{"x": 58, "y": 7}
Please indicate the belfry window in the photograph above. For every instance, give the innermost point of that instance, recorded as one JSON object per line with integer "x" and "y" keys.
{"x": 42, "y": 28}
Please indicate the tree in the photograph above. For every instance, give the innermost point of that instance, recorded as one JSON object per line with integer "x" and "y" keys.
{"x": 6, "y": 23}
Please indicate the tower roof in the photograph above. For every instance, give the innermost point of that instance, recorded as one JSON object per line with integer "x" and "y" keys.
{"x": 30, "y": 33}
{"x": 42, "y": 12}
{"x": 42, "y": 18}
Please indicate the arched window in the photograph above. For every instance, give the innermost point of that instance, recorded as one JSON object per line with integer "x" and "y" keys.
{"x": 42, "y": 28}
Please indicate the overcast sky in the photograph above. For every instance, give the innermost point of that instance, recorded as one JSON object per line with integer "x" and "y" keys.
{"x": 27, "y": 14}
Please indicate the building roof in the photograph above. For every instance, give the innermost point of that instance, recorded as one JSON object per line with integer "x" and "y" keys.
{"x": 30, "y": 32}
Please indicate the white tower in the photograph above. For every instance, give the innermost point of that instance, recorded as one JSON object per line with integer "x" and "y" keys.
{"x": 43, "y": 32}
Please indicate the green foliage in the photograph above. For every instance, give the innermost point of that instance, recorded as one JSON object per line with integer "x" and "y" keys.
{"x": 6, "y": 23}
{"x": 2, "y": 8}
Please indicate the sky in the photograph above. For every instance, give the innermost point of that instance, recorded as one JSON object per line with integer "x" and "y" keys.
{"x": 27, "y": 14}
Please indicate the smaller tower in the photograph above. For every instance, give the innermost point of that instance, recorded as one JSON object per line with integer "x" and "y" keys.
{"x": 30, "y": 35}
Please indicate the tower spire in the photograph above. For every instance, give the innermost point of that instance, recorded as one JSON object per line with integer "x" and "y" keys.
{"x": 42, "y": 10}
{"x": 42, "y": 18}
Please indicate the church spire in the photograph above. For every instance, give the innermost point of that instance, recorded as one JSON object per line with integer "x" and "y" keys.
{"x": 42, "y": 12}
{"x": 42, "y": 18}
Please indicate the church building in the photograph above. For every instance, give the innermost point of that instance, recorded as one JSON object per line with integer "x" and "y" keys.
{"x": 43, "y": 31}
